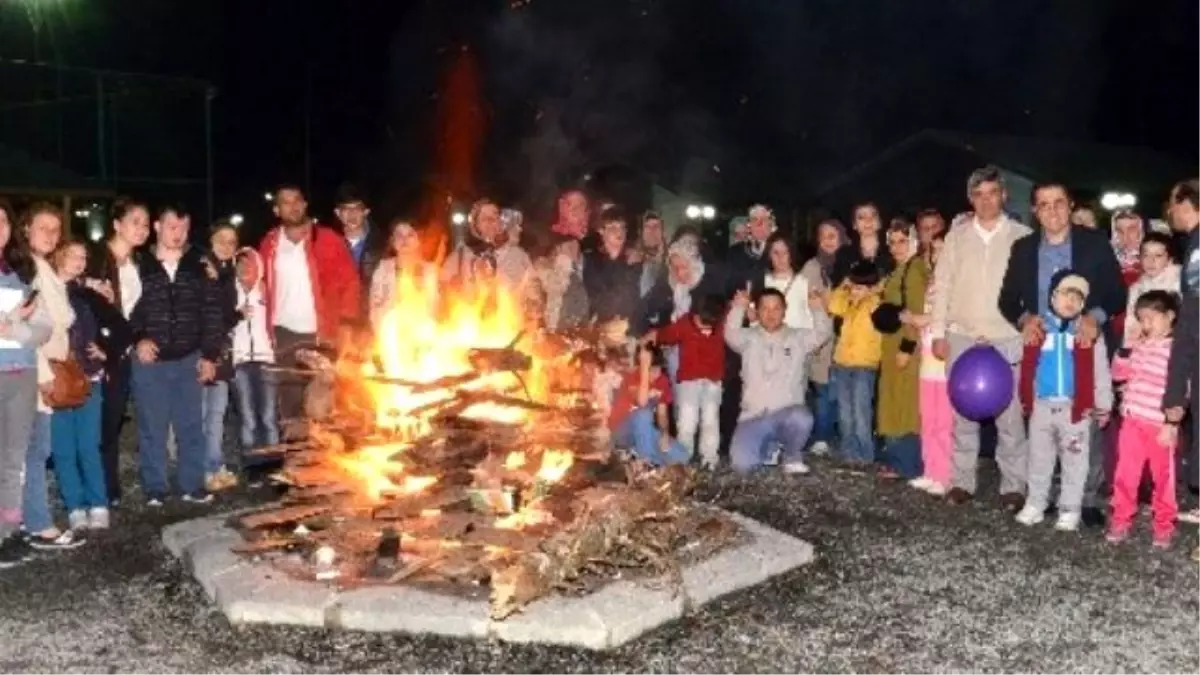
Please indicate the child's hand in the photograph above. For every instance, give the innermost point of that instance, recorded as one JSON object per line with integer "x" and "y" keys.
{"x": 1174, "y": 415}
{"x": 902, "y": 359}
{"x": 664, "y": 443}
{"x": 650, "y": 337}
{"x": 1167, "y": 435}
{"x": 644, "y": 358}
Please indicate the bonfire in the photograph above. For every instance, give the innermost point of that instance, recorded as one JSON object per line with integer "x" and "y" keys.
{"x": 459, "y": 448}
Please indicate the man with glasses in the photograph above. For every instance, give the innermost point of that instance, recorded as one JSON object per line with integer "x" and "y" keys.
{"x": 1025, "y": 293}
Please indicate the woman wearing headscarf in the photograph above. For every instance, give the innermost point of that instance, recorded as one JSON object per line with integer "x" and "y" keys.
{"x": 899, "y": 416}
{"x": 685, "y": 283}
{"x": 818, "y": 272}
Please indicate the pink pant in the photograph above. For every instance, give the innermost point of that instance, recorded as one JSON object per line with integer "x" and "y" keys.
{"x": 937, "y": 426}
{"x": 1137, "y": 446}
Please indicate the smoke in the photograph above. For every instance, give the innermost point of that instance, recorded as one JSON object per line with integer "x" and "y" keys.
{"x": 590, "y": 88}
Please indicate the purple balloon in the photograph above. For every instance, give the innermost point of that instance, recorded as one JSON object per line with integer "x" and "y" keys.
{"x": 980, "y": 383}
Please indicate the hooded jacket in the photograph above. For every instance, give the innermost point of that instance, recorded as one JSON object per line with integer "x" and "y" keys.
{"x": 251, "y": 338}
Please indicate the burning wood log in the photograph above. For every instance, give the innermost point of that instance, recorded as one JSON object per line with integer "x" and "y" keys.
{"x": 283, "y": 516}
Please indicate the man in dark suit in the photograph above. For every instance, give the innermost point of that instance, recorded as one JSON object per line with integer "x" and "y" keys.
{"x": 1025, "y": 295}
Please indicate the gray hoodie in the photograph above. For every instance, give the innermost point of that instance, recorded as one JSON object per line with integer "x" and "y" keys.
{"x": 774, "y": 365}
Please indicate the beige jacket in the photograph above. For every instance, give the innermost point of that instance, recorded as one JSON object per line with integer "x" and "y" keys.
{"x": 968, "y": 278}
{"x": 52, "y": 295}
{"x": 821, "y": 361}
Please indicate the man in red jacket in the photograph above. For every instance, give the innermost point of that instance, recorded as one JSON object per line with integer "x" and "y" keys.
{"x": 311, "y": 286}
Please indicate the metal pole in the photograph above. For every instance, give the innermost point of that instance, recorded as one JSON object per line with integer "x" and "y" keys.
{"x": 209, "y": 95}
{"x": 100, "y": 129}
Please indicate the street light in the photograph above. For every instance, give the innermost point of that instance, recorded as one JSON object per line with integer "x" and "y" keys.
{"x": 1118, "y": 200}
{"x": 268, "y": 196}
{"x": 458, "y": 218}
{"x": 237, "y": 219}
{"x": 700, "y": 212}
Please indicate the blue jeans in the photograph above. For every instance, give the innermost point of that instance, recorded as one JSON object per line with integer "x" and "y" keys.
{"x": 35, "y": 503}
{"x": 75, "y": 446}
{"x": 856, "y": 412}
{"x": 755, "y": 438}
{"x": 166, "y": 394}
{"x": 639, "y": 434}
{"x": 902, "y": 454}
{"x": 213, "y": 403}
{"x": 254, "y": 388}
{"x": 825, "y": 411}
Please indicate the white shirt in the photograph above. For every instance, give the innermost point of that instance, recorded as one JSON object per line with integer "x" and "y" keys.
{"x": 795, "y": 292}
{"x": 171, "y": 266}
{"x": 131, "y": 286}
{"x": 985, "y": 234}
{"x": 295, "y": 308}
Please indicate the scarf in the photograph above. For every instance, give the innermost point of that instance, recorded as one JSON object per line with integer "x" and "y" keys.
{"x": 681, "y": 292}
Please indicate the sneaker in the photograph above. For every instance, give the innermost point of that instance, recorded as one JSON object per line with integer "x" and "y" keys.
{"x": 58, "y": 541}
{"x": 937, "y": 489}
{"x": 820, "y": 448}
{"x": 221, "y": 480}
{"x": 198, "y": 497}
{"x": 1117, "y": 535}
{"x": 1192, "y": 517}
{"x": 797, "y": 467}
{"x": 98, "y": 518}
{"x": 1162, "y": 541}
{"x": 1068, "y": 521}
{"x": 155, "y": 501}
{"x": 1031, "y": 515}
{"x": 77, "y": 519}
{"x": 14, "y": 550}
{"x": 921, "y": 483}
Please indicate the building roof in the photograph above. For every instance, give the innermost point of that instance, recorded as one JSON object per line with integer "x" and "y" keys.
{"x": 1082, "y": 165}
{"x": 21, "y": 173}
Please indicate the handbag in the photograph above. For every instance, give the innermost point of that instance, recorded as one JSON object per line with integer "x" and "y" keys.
{"x": 886, "y": 316}
{"x": 70, "y": 388}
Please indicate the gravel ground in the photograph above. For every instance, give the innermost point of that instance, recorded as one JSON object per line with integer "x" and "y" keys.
{"x": 901, "y": 583}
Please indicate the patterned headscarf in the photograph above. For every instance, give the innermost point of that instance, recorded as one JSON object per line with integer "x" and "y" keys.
{"x": 681, "y": 293}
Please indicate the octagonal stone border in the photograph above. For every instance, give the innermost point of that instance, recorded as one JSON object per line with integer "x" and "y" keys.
{"x": 248, "y": 592}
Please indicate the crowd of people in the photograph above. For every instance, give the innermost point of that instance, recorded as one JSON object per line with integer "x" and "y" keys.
{"x": 763, "y": 353}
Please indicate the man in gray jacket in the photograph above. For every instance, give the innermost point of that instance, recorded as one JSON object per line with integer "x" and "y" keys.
{"x": 774, "y": 380}
{"x": 966, "y": 311}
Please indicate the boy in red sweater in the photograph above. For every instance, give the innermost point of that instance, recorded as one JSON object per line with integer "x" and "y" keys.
{"x": 699, "y": 334}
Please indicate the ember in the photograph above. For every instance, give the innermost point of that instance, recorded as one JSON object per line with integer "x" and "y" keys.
{"x": 440, "y": 454}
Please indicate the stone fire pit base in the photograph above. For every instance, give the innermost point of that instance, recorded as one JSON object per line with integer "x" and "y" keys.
{"x": 249, "y": 592}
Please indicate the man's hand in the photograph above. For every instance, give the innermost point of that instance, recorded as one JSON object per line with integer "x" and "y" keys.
{"x": 210, "y": 270}
{"x": 1088, "y": 330}
{"x": 1167, "y": 435}
{"x": 741, "y": 300}
{"x": 1033, "y": 329}
{"x": 941, "y": 349}
{"x": 95, "y": 353}
{"x": 1174, "y": 415}
{"x": 206, "y": 371}
{"x": 902, "y": 359}
{"x": 147, "y": 351}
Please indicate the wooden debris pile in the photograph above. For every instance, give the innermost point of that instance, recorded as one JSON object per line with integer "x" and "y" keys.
{"x": 522, "y": 508}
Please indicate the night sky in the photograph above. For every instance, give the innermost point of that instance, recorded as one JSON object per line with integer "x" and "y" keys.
{"x": 755, "y": 98}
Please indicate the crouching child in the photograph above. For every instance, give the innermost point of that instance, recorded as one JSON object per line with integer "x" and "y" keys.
{"x": 254, "y": 384}
{"x": 639, "y": 420}
{"x": 1065, "y": 386}
{"x": 774, "y": 380}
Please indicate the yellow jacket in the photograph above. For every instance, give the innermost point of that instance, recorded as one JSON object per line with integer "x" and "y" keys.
{"x": 859, "y": 345}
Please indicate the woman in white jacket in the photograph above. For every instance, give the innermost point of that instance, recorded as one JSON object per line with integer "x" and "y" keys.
{"x": 254, "y": 384}
{"x": 402, "y": 264}
{"x": 1159, "y": 273}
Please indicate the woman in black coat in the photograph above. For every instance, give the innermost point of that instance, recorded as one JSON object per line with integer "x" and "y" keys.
{"x": 867, "y": 242}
